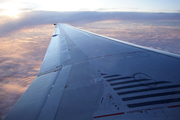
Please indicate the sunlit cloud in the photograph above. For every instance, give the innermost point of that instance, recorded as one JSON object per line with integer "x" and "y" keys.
{"x": 33, "y": 18}
{"x": 13, "y": 8}
{"x": 10, "y": 9}
{"x": 13, "y": 88}
{"x": 21, "y": 56}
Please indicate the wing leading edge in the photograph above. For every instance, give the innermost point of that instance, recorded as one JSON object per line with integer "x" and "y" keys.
{"x": 89, "y": 76}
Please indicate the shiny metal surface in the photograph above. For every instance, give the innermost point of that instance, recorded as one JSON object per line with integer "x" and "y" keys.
{"x": 89, "y": 76}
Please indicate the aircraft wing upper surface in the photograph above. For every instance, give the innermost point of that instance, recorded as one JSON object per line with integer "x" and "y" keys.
{"x": 86, "y": 76}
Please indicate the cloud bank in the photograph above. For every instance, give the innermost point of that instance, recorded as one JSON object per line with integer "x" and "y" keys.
{"x": 20, "y": 59}
{"x": 33, "y": 18}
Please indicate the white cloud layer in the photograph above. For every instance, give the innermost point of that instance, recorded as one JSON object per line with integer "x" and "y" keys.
{"x": 29, "y": 19}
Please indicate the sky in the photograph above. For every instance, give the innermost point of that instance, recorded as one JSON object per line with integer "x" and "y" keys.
{"x": 19, "y": 14}
{"x": 26, "y": 28}
{"x": 14, "y": 7}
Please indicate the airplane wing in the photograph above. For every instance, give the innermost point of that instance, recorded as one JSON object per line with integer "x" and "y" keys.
{"x": 86, "y": 76}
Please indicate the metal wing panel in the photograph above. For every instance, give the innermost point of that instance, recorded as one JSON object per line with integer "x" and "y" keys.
{"x": 31, "y": 102}
{"x": 127, "y": 68}
{"x": 93, "y": 46}
{"x": 96, "y": 77}
{"x": 50, "y": 108}
{"x": 131, "y": 44}
{"x": 52, "y": 58}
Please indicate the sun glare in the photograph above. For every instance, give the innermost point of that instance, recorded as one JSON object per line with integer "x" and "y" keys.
{"x": 10, "y": 9}
{"x": 11, "y": 13}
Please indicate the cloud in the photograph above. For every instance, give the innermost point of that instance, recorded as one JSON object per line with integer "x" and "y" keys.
{"x": 33, "y": 18}
{"x": 115, "y": 9}
{"x": 9, "y": 95}
{"x": 3, "y": 1}
{"x": 20, "y": 59}
{"x": 10, "y": 69}
{"x": 1, "y": 10}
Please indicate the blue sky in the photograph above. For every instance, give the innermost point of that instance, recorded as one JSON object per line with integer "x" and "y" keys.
{"x": 14, "y": 7}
